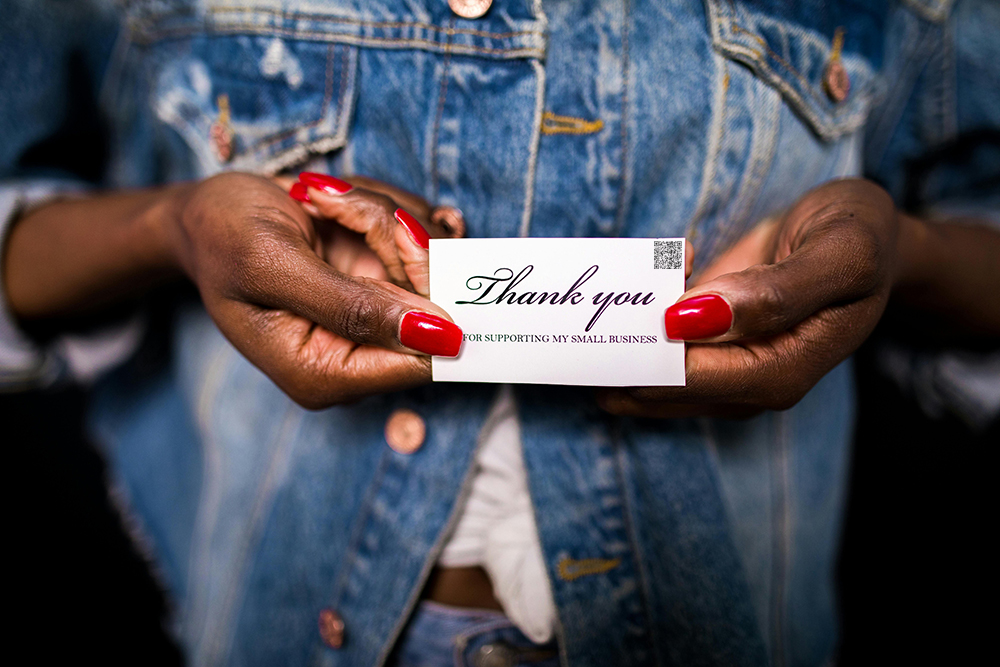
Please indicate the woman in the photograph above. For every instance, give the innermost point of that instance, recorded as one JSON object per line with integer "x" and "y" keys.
{"x": 287, "y": 536}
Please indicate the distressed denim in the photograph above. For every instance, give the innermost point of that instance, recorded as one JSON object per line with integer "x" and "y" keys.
{"x": 685, "y": 542}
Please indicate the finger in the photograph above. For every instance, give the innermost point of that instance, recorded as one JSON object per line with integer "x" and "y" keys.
{"x": 447, "y": 222}
{"x": 363, "y": 211}
{"x": 415, "y": 204}
{"x": 837, "y": 261}
{"x": 688, "y": 259}
{"x": 315, "y": 367}
{"x": 440, "y": 221}
{"x": 298, "y": 192}
{"x": 347, "y": 252}
{"x": 413, "y": 244}
{"x": 773, "y": 373}
{"x": 619, "y": 402}
{"x": 280, "y": 271}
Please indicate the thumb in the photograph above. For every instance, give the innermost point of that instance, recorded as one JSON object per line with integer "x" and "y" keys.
{"x": 837, "y": 265}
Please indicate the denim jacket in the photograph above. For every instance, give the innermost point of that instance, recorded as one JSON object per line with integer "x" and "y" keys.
{"x": 684, "y": 542}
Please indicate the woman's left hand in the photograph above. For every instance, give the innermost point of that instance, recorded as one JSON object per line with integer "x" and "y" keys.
{"x": 779, "y": 310}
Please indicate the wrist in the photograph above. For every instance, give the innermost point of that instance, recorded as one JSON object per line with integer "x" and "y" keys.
{"x": 915, "y": 249}
{"x": 157, "y": 229}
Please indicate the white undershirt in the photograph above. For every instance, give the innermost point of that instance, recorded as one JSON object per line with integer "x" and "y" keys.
{"x": 497, "y": 527}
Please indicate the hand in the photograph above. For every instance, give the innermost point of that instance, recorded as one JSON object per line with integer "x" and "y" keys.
{"x": 779, "y": 310}
{"x": 307, "y": 298}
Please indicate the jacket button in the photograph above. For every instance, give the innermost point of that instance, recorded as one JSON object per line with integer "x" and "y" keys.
{"x": 495, "y": 655}
{"x": 470, "y": 9}
{"x": 331, "y": 628}
{"x": 836, "y": 82}
{"x": 405, "y": 431}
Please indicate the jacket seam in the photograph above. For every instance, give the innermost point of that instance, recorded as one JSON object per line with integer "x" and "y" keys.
{"x": 906, "y": 79}
{"x": 623, "y": 192}
{"x": 779, "y": 556}
{"x": 358, "y": 529}
{"x": 536, "y": 137}
{"x": 717, "y": 131}
{"x": 383, "y": 42}
{"x": 756, "y": 169}
{"x": 637, "y": 553}
{"x": 209, "y": 499}
{"x": 435, "y": 552}
{"x": 306, "y": 16}
{"x": 442, "y": 97}
{"x": 221, "y": 643}
{"x": 244, "y": 13}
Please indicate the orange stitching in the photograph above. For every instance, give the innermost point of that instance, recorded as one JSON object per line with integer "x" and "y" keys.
{"x": 372, "y": 24}
{"x": 147, "y": 39}
{"x": 838, "y": 45}
{"x": 554, "y": 124}
{"x": 570, "y": 569}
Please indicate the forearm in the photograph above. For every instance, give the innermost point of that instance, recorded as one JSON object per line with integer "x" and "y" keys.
{"x": 69, "y": 256}
{"x": 951, "y": 271}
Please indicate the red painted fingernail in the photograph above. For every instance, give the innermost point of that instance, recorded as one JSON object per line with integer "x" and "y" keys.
{"x": 703, "y": 316}
{"x": 328, "y": 184}
{"x": 417, "y": 231}
{"x": 299, "y": 192}
{"x": 430, "y": 334}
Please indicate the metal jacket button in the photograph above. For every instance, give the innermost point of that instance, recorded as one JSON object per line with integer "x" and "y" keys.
{"x": 331, "y": 628}
{"x": 470, "y": 9}
{"x": 836, "y": 82}
{"x": 497, "y": 654}
{"x": 405, "y": 431}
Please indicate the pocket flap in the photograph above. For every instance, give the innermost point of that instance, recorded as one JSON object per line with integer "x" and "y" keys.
{"x": 254, "y": 103}
{"x": 794, "y": 60}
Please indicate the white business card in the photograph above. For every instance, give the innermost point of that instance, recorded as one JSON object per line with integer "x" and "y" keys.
{"x": 560, "y": 311}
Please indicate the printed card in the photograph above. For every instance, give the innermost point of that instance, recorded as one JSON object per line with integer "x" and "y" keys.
{"x": 560, "y": 311}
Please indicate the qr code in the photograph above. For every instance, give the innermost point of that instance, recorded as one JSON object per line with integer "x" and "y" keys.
{"x": 668, "y": 254}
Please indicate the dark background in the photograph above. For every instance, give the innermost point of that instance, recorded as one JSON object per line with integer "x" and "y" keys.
{"x": 913, "y": 575}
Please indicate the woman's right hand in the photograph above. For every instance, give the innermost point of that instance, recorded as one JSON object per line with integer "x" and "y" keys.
{"x": 320, "y": 302}
{"x": 316, "y": 301}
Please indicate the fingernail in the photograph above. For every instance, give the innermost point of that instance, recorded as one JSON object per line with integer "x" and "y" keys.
{"x": 703, "y": 316}
{"x": 416, "y": 230}
{"x": 299, "y": 192}
{"x": 430, "y": 334}
{"x": 328, "y": 184}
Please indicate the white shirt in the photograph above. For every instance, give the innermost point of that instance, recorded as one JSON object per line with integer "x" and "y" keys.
{"x": 497, "y": 528}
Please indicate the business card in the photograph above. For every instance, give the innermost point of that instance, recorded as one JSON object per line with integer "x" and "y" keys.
{"x": 566, "y": 311}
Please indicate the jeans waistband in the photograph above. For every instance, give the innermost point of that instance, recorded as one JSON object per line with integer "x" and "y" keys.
{"x": 443, "y": 636}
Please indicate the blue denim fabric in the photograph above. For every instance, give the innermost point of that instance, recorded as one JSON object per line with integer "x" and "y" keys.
{"x": 442, "y": 636}
{"x": 689, "y": 542}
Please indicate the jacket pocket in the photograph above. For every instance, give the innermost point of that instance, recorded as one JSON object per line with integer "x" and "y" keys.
{"x": 257, "y": 103}
{"x": 793, "y": 57}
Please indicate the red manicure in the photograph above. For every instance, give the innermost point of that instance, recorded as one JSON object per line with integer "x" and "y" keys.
{"x": 430, "y": 334}
{"x": 703, "y": 316}
{"x": 299, "y": 193}
{"x": 417, "y": 231}
{"x": 328, "y": 184}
